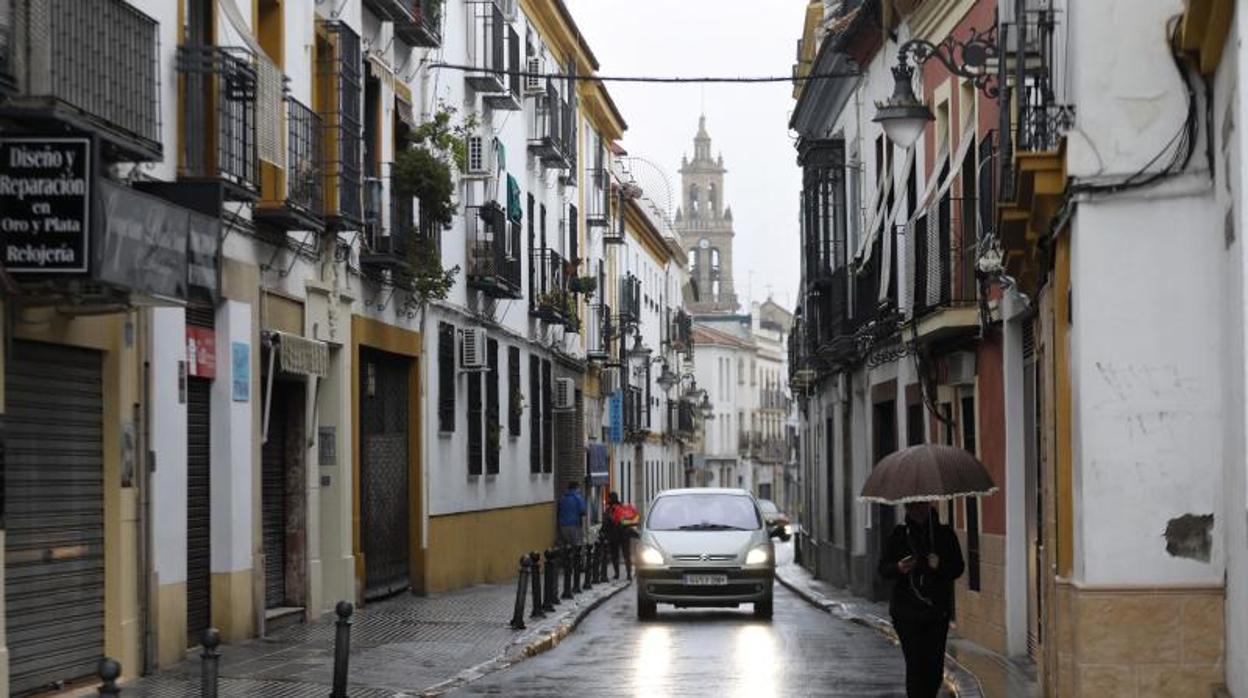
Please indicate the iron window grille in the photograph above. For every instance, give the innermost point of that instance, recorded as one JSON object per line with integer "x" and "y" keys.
{"x": 487, "y": 47}
{"x": 547, "y": 131}
{"x": 341, "y": 75}
{"x": 416, "y": 22}
{"x": 493, "y": 251}
{"x": 304, "y": 173}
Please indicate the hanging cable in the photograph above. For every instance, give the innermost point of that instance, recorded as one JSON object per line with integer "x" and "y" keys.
{"x": 652, "y": 79}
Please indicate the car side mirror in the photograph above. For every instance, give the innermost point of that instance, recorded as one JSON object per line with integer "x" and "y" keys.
{"x": 779, "y": 532}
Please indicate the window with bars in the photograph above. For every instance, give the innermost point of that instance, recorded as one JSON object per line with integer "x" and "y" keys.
{"x": 493, "y": 427}
{"x": 475, "y": 442}
{"x": 535, "y": 415}
{"x": 548, "y": 422}
{"x": 516, "y": 400}
{"x": 972, "y": 503}
{"x": 446, "y": 377}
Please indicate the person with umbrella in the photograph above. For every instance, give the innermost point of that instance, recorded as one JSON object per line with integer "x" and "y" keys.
{"x": 922, "y": 556}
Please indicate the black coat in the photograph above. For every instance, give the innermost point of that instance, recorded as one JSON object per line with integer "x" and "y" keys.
{"x": 924, "y": 594}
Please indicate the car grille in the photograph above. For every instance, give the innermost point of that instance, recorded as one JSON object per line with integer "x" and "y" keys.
{"x": 704, "y": 558}
{"x": 742, "y": 589}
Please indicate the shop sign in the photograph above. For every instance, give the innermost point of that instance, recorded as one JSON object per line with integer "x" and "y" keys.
{"x": 45, "y": 204}
{"x": 201, "y": 351}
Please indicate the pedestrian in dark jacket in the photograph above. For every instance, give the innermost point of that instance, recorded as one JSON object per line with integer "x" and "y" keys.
{"x": 922, "y": 557}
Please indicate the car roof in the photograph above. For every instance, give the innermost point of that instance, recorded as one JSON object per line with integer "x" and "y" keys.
{"x": 705, "y": 490}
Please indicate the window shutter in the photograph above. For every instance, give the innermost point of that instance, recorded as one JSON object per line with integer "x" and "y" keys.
{"x": 474, "y": 424}
{"x": 513, "y": 390}
{"x": 535, "y": 415}
{"x": 494, "y": 430}
{"x": 573, "y": 234}
{"x": 548, "y": 423}
{"x": 446, "y": 377}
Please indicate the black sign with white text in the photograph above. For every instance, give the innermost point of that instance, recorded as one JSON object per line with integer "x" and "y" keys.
{"x": 45, "y": 197}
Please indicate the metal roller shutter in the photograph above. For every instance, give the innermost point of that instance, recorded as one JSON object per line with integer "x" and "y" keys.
{"x": 54, "y": 498}
{"x": 273, "y": 502}
{"x": 198, "y": 508}
{"x": 384, "y": 488}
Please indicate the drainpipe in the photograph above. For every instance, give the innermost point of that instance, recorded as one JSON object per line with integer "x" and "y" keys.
{"x": 145, "y": 460}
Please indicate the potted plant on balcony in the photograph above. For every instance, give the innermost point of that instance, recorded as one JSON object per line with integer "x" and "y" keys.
{"x": 583, "y": 284}
{"x": 494, "y": 436}
{"x": 424, "y": 170}
{"x": 517, "y": 404}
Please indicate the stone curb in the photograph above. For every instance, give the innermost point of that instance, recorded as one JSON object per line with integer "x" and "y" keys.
{"x": 958, "y": 678}
{"x": 530, "y": 644}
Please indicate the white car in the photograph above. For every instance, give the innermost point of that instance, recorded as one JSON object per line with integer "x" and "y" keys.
{"x": 705, "y": 547}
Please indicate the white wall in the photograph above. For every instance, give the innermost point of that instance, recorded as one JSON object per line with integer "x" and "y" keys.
{"x": 232, "y": 445}
{"x": 1147, "y": 386}
{"x": 168, "y": 443}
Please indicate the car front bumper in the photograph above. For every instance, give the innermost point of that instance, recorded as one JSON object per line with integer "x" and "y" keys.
{"x": 667, "y": 585}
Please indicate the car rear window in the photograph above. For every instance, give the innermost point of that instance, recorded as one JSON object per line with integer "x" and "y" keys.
{"x": 703, "y": 512}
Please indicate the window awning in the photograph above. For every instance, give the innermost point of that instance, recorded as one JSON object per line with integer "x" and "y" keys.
{"x": 298, "y": 355}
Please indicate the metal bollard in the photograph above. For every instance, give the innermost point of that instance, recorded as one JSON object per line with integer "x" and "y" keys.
{"x": 588, "y": 553}
{"x": 565, "y": 560}
{"x": 522, "y": 580}
{"x": 342, "y": 648}
{"x": 577, "y": 561}
{"x": 109, "y": 671}
{"x": 209, "y": 661}
{"x": 535, "y": 574}
{"x": 549, "y": 595}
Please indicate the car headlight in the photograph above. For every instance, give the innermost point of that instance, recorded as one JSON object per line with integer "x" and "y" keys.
{"x": 650, "y": 556}
{"x": 788, "y": 529}
{"x": 757, "y": 556}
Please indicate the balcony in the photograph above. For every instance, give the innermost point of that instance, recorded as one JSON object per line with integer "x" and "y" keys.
{"x": 416, "y": 22}
{"x": 91, "y": 65}
{"x": 487, "y": 47}
{"x": 511, "y": 97}
{"x": 340, "y": 82}
{"x": 219, "y": 87}
{"x": 395, "y": 239}
{"x": 293, "y": 198}
{"x": 945, "y": 286}
{"x": 549, "y": 297}
{"x": 598, "y": 332}
{"x": 636, "y": 413}
{"x": 549, "y": 127}
{"x": 598, "y": 197}
{"x": 682, "y": 333}
{"x": 493, "y": 251}
{"x": 630, "y": 299}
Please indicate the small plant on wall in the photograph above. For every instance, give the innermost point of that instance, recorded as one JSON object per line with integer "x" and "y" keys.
{"x": 517, "y": 404}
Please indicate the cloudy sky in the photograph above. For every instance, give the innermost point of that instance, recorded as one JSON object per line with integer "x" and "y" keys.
{"x": 747, "y": 123}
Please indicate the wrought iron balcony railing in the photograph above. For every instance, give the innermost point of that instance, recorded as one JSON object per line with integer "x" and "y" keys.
{"x": 548, "y": 132}
{"x": 305, "y": 158}
{"x": 219, "y": 138}
{"x": 493, "y": 251}
{"x": 511, "y": 97}
{"x": 598, "y": 332}
{"x": 944, "y": 255}
{"x": 487, "y": 47}
{"x": 395, "y": 237}
{"x": 416, "y": 22}
{"x": 630, "y": 299}
{"x": 550, "y": 298}
{"x": 92, "y": 64}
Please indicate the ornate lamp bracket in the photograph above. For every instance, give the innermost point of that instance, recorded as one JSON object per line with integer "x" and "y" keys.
{"x": 968, "y": 58}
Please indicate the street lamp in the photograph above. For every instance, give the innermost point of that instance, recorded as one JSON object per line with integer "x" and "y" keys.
{"x": 639, "y": 351}
{"x": 904, "y": 116}
{"x": 667, "y": 379}
{"x": 707, "y": 410}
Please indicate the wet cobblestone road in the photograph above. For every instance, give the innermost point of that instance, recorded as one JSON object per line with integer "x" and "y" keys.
{"x": 708, "y": 652}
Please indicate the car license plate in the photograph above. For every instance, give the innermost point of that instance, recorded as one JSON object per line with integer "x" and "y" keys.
{"x": 705, "y": 580}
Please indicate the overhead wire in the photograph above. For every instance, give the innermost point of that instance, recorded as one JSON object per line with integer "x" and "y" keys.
{"x": 746, "y": 79}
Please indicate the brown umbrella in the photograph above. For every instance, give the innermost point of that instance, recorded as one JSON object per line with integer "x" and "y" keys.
{"x": 925, "y": 473}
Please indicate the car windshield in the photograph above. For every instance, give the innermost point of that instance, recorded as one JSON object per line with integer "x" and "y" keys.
{"x": 768, "y": 506}
{"x": 703, "y": 512}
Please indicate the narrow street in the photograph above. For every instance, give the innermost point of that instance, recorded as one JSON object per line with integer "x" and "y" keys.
{"x": 711, "y": 652}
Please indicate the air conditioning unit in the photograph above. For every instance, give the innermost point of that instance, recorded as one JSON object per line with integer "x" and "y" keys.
{"x": 961, "y": 368}
{"x": 533, "y": 76}
{"x": 478, "y": 159}
{"x": 565, "y": 394}
{"x": 472, "y": 356}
